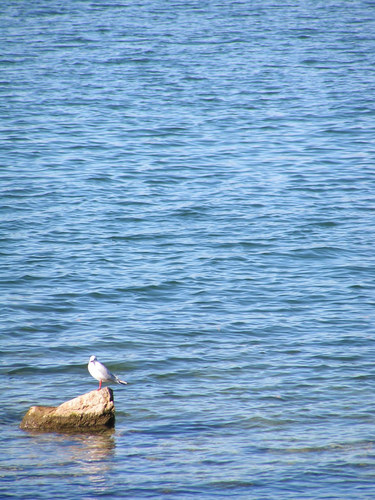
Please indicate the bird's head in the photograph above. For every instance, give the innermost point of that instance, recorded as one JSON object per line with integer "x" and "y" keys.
{"x": 92, "y": 358}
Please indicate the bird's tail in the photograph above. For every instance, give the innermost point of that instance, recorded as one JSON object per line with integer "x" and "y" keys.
{"x": 121, "y": 381}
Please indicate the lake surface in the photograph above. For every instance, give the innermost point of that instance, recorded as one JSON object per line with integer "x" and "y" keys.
{"x": 187, "y": 192}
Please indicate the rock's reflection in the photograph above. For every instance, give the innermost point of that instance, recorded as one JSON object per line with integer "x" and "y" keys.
{"x": 91, "y": 453}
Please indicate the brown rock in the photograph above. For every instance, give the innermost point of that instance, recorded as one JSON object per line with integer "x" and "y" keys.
{"x": 92, "y": 411}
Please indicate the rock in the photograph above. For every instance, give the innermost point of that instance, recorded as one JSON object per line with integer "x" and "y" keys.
{"x": 92, "y": 411}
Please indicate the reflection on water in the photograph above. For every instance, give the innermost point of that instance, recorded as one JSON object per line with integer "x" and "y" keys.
{"x": 90, "y": 453}
{"x": 93, "y": 453}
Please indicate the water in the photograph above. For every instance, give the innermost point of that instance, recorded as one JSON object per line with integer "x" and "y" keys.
{"x": 188, "y": 193}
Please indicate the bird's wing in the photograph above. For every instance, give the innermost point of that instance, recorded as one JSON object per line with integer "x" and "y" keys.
{"x": 103, "y": 371}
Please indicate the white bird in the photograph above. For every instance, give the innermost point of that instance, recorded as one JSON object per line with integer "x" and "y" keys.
{"x": 101, "y": 372}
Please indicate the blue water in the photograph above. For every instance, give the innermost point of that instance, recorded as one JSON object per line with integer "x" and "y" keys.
{"x": 187, "y": 192}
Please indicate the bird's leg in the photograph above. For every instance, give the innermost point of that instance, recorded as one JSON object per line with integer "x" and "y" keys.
{"x": 100, "y": 385}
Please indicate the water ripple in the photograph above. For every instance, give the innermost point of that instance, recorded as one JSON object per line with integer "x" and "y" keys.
{"x": 187, "y": 192}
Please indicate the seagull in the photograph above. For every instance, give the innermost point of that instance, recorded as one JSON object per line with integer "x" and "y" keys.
{"x": 101, "y": 372}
